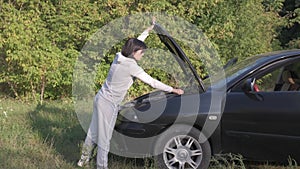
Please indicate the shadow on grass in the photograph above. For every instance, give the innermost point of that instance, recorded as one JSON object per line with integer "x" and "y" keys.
{"x": 58, "y": 127}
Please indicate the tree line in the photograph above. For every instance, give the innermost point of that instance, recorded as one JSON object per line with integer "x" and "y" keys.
{"x": 41, "y": 40}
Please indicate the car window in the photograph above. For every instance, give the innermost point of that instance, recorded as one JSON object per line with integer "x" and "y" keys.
{"x": 267, "y": 82}
{"x": 284, "y": 78}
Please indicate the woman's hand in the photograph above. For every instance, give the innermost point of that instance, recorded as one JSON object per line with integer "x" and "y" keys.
{"x": 153, "y": 20}
{"x": 152, "y": 24}
{"x": 178, "y": 91}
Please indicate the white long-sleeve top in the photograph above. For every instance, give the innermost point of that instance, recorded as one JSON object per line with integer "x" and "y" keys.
{"x": 120, "y": 77}
{"x": 143, "y": 36}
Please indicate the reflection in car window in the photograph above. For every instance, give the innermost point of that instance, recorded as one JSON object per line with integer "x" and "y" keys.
{"x": 237, "y": 69}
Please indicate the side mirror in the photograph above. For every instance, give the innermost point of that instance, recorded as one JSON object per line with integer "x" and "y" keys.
{"x": 248, "y": 85}
{"x": 249, "y": 89}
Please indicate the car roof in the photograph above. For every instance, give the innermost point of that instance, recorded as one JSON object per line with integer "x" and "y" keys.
{"x": 279, "y": 54}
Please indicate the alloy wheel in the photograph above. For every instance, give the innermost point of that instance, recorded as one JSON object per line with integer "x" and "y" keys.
{"x": 182, "y": 152}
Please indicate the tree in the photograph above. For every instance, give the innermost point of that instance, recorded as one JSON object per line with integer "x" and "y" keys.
{"x": 41, "y": 40}
{"x": 290, "y": 32}
{"x": 31, "y": 62}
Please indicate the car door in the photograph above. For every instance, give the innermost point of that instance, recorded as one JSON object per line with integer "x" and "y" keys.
{"x": 267, "y": 128}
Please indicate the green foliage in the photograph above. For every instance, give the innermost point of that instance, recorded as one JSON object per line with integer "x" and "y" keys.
{"x": 39, "y": 44}
{"x": 40, "y": 41}
{"x": 230, "y": 161}
{"x": 273, "y": 5}
{"x": 290, "y": 31}
{"x": 240, "y": 28}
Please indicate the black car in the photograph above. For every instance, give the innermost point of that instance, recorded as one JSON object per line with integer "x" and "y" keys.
{"x": 254, "y": 110}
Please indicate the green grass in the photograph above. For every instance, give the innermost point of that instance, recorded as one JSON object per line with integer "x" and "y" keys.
{"x": 50, "y": 136}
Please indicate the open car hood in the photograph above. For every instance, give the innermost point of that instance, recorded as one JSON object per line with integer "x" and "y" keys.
{"x": 134, "y": 110}
{"x": 178, "y": 53}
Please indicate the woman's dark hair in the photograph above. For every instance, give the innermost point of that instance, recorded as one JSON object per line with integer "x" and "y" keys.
{"x": 132, "y": 45}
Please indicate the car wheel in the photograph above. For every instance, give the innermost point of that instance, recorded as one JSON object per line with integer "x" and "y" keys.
{"x": 178, "y": 150}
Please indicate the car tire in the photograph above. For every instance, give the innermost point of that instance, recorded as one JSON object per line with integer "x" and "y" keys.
{"x": 177, "y": 148}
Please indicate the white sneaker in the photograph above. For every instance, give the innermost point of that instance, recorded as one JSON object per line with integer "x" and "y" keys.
{"x": 83, "y": 161}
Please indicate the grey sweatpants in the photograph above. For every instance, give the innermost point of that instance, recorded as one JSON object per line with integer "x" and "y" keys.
{"x": 101, "y": 128}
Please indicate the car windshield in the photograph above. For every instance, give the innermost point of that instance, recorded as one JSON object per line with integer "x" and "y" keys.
{"x": 235, "y": 70}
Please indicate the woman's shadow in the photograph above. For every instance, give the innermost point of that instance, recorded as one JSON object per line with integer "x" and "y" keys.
{"x": 59, "y": 128}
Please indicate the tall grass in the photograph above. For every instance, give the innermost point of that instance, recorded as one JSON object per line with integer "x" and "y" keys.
{"x": 49, "y": 136}
{"x": 25, "y": 140}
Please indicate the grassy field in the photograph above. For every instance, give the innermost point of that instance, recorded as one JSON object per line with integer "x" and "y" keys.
{"x": 50, "y": 136}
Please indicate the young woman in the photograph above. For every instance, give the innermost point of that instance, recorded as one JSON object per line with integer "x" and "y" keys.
{"x": 111, "y": 94}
